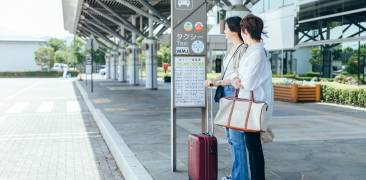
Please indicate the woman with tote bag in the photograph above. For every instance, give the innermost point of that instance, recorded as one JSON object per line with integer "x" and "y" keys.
{"x": 255, "y": 82}
{"x": 229, "y": 68}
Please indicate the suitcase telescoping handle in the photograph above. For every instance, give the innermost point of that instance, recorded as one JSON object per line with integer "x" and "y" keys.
{"x": 210, "y": 110}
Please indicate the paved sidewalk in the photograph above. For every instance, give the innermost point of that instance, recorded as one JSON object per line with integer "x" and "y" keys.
{"x": 313, "y": 141}
{"x": 46, "y": 133}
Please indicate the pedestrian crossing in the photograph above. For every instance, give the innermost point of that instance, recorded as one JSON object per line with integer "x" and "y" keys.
{"x": 17, "y": 108}
{"x": 73, "y": 106}
{"x": 47, "y": 106}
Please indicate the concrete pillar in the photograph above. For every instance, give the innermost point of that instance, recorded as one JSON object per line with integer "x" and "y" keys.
{"x": 107, "y": 65}
{"x": 238, "y": 9}
{"x": 114, "y": 57}
{"x": 151, "y": 60}
{"x": 122, "y": 59}
{"x": 133, "y": 64}
{"x": 122, "y": 76}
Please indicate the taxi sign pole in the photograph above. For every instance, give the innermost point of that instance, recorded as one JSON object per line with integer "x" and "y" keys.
{"x": 92, "y": 54}
{"x": 189, "y": 56}
{"x": 86, "y": 72}
{"x": 173, "y": 119}
{"x": 91, "y": 44}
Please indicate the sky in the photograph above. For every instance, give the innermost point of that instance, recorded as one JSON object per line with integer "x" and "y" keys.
{"x": 31, "y": 19}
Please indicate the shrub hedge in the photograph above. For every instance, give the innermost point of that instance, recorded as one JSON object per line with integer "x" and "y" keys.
{"x": 343, "y": 94}
{"x": 37, "y": 74}
{"x": 305, "y": 77}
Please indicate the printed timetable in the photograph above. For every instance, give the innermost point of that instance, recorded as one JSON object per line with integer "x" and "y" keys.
{"x": 189, "y": 81}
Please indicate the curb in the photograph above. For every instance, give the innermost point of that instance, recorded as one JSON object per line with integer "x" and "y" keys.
{"x": 342, "y": 106}
{"x": 126, "y": 160}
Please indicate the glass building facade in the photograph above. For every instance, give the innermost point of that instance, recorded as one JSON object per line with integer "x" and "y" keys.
{"x": 331, "y": 33}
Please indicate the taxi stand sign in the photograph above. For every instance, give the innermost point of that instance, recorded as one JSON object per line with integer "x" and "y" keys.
{"x": 189, "y": 40}
{"x": 189, "y": 48}
{"x": 91, "y": 45}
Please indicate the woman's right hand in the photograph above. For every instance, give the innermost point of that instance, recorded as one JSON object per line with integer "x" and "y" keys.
{"x": 237, "y": 83}
{"x": 208, "y": 83}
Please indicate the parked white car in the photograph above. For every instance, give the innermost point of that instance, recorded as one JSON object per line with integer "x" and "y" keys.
{"x": 59, "y": 67}
{"x": 102, "y": 71}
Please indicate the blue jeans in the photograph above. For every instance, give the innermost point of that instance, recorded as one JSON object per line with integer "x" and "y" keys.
{"x": 238, "y": 147}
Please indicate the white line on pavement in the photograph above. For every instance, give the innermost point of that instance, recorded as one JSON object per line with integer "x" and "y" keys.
{"x": 73, "y": 106}
{"x": 17, "y": 108}
{"x": 46, "y": 106}
{"x": 49, "y": 138}
{"x": 22, "y": 90}
{"x": 49, "y": 134}
{"x": 343, "y": 106}
{"x": 3, "y": 117}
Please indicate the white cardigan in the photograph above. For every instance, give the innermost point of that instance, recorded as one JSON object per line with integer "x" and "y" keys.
{"x": 256, "y": 75}
{"x": 230, "y": 63}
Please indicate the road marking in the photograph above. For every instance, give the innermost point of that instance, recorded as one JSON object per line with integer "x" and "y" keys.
{"x": 73, "y": 106}
{"x": 46, "y": 106}
{"x": 3, "y": 117}
{"x": 33, "y": 84}
{"x": 102, "y": 100}
{"x": 87, "y": 133}
{"x": 49, "y": 138}
{"x": 17, "y": 108}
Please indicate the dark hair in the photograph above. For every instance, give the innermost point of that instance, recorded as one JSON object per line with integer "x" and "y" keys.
{"x": 234, "y": 25}
{"x": 254, "y": 26}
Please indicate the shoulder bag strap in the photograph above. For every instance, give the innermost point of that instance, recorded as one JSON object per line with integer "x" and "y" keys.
{"x": 237, "y": 49}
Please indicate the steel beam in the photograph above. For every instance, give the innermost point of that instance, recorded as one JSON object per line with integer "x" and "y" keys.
{"x": 105, "y": 28}
{"x": 96, "y": 33}
{"x": 153, "y": 10}
{"x": 142, "y": 12}
{"x": 123, "y": 21}
{"x": 99, "y": 41}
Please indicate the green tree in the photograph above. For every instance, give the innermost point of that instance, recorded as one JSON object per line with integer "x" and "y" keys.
{"x": 78, "y": 48}
{"x": 352, "y": 64}
{"x": 71, "y": 59}
{"x": 99, "y": 57}
{"x": 164, "y": 54}
{"x": 352, "y": 58}
{"x": 61, "y": 56}
{"x": 56, "y": 44}
{"x": 45, "y": 57}
{"x": 315, "y": 59}
{"x": 337, "y": 53}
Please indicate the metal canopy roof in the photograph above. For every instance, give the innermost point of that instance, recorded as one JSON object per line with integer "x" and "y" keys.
{"x": 103, "y": 18}
{"x": 320, "y": 8}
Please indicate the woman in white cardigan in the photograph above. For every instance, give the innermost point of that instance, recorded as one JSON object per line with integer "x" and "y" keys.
{"x": 236, "y": 139}
{"x": 255, "y": 75}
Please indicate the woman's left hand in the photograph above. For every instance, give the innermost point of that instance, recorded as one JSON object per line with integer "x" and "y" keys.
{"x": 236, "y": 83}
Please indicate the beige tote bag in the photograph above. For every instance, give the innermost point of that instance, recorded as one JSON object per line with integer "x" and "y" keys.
{"x": 242, "y": 114}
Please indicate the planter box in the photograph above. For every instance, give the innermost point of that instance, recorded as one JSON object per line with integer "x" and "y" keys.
{"x": 296, "y": 93}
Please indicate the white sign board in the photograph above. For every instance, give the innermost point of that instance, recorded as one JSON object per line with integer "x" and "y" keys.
{"x": 92, "y": 41}
{"x": 189, "y": 81}
{"x": 88, "y": 69}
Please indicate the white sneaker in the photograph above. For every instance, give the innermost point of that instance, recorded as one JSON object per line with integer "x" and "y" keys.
{"x": 226, "y": 178}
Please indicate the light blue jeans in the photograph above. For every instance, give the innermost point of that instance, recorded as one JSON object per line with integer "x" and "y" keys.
{"x": 238, "y": 147}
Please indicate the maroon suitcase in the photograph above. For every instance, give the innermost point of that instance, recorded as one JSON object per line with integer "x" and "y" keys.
{"x": 202, "y": 155}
